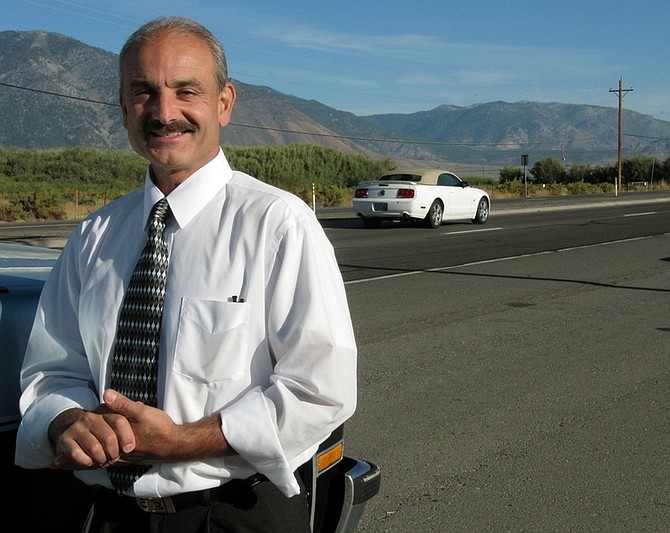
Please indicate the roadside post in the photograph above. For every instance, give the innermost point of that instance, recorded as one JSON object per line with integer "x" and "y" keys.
{"x": 524, "y": 162}
{"x": 314, "y": 197}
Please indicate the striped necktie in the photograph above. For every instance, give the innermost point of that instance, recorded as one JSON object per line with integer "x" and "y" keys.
{"x": 135, "y": 359}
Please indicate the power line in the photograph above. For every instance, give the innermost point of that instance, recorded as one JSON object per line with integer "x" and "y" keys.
{"x": 396, "y": 141}
{"x": 50, "y": 93}
{"x": 646, "y": 137}
{"x": 329, "y": 135}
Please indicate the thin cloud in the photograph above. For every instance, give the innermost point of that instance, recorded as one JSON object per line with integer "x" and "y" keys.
{"x": 484, "y": 61}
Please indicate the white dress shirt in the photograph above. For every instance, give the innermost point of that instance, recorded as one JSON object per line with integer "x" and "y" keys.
{"x": 256, "y": 326}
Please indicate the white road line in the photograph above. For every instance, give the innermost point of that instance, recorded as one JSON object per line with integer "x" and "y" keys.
{"x": 640, "y": 214}
{"x": 470, "y": 231}
{"x": 499, "y": 259}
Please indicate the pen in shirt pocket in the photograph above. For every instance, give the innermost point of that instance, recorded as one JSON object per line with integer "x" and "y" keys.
{"x": 237, "y": 299}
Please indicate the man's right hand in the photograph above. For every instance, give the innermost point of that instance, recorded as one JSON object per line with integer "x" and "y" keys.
{"x": 85, "y": 439}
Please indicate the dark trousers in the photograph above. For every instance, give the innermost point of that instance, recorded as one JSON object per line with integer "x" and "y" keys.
{"x": 237, "y": 507}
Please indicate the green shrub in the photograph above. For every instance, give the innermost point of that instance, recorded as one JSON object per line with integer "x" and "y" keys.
{"x": 41, "y": 184}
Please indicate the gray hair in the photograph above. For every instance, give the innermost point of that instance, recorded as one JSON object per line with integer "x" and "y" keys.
{"x": 165, "y": 25}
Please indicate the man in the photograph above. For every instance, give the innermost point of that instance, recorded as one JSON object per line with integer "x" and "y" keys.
{"x": 257, "y": 358}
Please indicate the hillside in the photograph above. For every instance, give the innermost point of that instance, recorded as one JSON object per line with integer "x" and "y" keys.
{"x": 48, "y": 64}
{"x": 579, "y": 133}
{"x": 56, "y": 91}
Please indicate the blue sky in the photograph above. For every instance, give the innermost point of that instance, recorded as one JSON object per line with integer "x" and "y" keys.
{"x": 391, "y": 56}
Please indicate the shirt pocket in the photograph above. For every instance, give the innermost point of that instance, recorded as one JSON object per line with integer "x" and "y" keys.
{"x": 212, "y": 340}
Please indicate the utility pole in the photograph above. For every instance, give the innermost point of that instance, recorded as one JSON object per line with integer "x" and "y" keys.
{"x": 621, "y": 92}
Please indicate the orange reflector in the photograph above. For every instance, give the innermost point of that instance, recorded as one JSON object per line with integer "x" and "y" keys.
{"x": 330, "y": 457}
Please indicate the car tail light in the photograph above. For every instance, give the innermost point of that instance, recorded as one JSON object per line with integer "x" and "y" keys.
{"x": 405, "y": 193}
{"x": 361, "y": 193}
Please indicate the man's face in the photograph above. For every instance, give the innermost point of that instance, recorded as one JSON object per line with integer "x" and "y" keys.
{"x": 171, "y": 106}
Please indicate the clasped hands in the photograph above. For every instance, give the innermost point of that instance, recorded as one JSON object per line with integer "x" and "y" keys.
{"x": 119, "y": 431}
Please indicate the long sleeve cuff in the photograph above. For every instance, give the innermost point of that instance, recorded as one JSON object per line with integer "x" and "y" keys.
{"x": 250, "y": 429}
{"x": 33, "y": 448}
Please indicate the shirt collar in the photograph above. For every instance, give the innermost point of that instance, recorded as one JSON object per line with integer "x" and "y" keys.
{"x": 194, "y": 193}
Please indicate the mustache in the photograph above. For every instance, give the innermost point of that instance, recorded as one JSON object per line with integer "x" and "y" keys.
{"x": 156, "y": 127}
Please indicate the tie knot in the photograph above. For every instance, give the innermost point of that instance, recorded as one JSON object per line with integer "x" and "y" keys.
{"x": 159, "y": 213}
{"x": 160, "y": 210}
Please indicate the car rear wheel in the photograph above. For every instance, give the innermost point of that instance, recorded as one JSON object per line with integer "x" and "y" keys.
{"x": 434, "y": 217}
{"x": 482, "y": 214}
{"x": 371, "y": 222}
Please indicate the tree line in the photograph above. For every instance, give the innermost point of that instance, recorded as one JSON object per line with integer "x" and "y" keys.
{"x": 635, "y": 169}
{"x": 40, "y": 184}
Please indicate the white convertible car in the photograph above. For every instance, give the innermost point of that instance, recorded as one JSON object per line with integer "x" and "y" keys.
{"x": 422, "y": 194}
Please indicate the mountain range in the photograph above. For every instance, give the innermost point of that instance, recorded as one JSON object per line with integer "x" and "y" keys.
{"x": 56, "y": 91}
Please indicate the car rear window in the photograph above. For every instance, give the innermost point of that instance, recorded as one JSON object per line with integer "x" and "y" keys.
{"x": 401, "y": 177}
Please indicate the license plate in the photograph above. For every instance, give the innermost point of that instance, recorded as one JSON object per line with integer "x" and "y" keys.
{"x": 380, "y": 207}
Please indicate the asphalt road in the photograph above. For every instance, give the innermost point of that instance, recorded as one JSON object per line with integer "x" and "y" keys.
{"x": 54, "y": 234}
{"x": 514, "y": 377}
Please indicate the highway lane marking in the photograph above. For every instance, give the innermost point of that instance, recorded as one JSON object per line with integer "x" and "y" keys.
{"x": 640, "y": 214}
{"x": 471, "y": 231}
{"x": 496, "y": 260}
